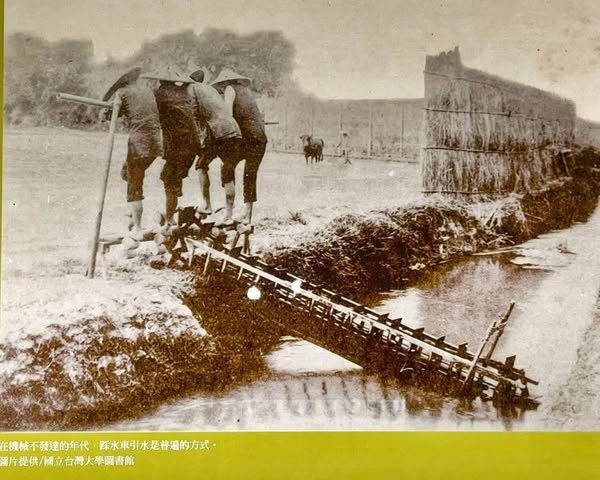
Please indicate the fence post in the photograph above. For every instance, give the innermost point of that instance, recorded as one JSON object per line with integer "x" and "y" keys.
{"x": 402, "y": 133}
{"x": 341, "y": 123}
{"x": 285, "y": 126}
{"x": 370, "y": 128}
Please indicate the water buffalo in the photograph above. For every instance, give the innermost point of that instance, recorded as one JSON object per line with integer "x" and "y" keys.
{"x": 313, "y": 148}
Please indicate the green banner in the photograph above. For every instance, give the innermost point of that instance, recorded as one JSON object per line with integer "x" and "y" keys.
{"x": 299, "y": 455}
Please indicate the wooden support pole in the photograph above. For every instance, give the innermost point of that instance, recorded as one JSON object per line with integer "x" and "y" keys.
{"x": 116, "y": 106}
{"x": 565, "y": 164}
{"x": 192, "y": 252}
{"x": 206, "y": 262}
{"x": 482, "y": 345}
{"x": 500, "y": 330}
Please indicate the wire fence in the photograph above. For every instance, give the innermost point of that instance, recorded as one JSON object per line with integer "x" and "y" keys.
{"x": 389, "y": 129}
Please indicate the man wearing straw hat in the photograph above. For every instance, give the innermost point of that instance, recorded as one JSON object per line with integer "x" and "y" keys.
{"x": 239, "y": 98}
{"x": 181, "y": 139}
{"x": 223, "y": 132}
{"x": 138, "y": 107}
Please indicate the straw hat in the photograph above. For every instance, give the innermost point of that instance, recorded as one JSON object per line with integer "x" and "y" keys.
{"x": 226, "y": 76}
{"x": 169, "y": 74}
{"x": 198, "y": 75}
{"x": 124, "y": 80}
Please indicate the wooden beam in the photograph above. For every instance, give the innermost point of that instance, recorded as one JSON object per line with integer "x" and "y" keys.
{"x": 116, "y": 106}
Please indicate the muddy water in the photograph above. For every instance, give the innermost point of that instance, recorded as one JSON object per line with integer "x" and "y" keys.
{"x": 555, "y": 281}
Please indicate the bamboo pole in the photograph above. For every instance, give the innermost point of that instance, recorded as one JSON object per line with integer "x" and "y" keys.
{"x": 116, "y": 106}
{"x": 84, "y": 100}
{"x": 500, "y": 331}
{"x": 484, "y": 341}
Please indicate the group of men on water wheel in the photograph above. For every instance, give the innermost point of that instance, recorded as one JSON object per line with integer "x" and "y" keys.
{"x": 199, "y": 122}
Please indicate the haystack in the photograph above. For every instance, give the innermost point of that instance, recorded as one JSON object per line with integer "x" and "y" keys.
{"x": 485, "y": 134}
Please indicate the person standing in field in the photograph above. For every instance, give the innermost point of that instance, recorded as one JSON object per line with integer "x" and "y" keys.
{"x": 181, "y": 137}
{"x": 222, "y": 134}
{"x": 345, "y": 148}
{"x": 240, "y": 100}
{"x": 138, "y": 107}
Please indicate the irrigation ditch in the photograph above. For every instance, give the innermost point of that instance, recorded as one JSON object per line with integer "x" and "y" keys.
{"x": 92, "y": 374}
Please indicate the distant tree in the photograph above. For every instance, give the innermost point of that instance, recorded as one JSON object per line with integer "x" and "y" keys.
{"x": 70, "y": 61}
{"x": 176, "y": 49}
{"x": 25, "y": 77}
{"x": 266, "y": 57}
{"x": 35, "y": 70}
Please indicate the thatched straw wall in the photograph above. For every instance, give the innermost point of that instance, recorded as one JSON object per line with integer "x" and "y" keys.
{"x": 485, "y": 134}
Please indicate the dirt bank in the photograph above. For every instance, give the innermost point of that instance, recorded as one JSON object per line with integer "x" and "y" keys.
{"x": 576, "y": 406}
{"x": 110, "y": 348}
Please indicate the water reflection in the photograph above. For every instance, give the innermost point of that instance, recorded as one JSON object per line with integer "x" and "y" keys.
{"x": 346, "y": 399}
{"x": 460, "y": 300}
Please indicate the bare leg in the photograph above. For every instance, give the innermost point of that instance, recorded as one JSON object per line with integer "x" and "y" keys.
{"x": 250, "y": 176}
{"x": 171, "y": 206}
{"x": 205, "y": 191}
{"x": 229, "y": 201}
{"x": 247, "y": 218}
{"x": 136, "y": 208}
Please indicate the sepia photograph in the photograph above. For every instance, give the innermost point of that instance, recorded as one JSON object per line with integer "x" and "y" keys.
{"x": 300, "y": 216}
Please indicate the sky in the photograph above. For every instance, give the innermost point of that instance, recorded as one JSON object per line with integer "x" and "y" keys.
{"x": 359, "y": 49}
